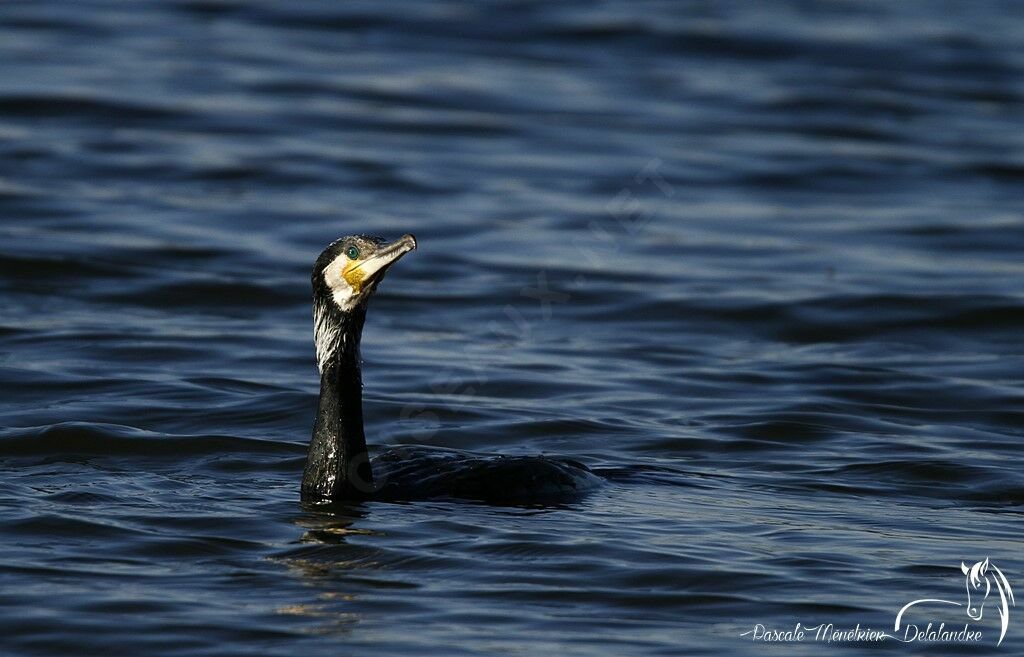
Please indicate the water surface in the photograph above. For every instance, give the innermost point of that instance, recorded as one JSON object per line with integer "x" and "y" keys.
{"x": 759, "y": 262}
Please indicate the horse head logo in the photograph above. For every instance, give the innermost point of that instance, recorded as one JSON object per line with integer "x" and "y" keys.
{"x": 981, "y": 579}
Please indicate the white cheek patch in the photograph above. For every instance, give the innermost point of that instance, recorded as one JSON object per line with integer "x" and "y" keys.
{"x": 326, "y": 333}
{"x": 334, "y": 276}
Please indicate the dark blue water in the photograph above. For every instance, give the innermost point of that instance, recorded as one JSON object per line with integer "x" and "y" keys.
{"x": 761, "y": 262}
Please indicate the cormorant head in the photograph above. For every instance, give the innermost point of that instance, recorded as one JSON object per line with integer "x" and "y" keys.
{"x": 344, "y": 277}
{"x": 349, "y": 270}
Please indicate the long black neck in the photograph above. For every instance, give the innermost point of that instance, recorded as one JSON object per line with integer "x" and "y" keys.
{"x": 338, "y": 467}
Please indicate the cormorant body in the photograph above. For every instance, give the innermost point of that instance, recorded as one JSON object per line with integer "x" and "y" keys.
{"x": 338, "y": 467}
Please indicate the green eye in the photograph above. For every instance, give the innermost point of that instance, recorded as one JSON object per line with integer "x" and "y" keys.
{"x": 352, "y": 252}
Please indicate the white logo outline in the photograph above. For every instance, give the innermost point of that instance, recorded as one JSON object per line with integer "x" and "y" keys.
{"x": 981, "y": 574}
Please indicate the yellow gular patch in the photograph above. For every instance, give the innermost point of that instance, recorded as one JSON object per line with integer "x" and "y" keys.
{"x": 353, "y": 275}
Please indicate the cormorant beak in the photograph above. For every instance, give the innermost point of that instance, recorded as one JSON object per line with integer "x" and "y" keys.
{"x": 374, "y": 267}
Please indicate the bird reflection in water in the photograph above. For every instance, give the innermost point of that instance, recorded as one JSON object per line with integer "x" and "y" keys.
{"x": 323, "y": 561}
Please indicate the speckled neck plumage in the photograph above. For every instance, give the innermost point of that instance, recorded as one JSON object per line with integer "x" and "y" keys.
{"x": 337, "y": 466}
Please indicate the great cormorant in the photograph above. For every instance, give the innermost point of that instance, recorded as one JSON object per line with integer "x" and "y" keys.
{"x": 338, "y": 467}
